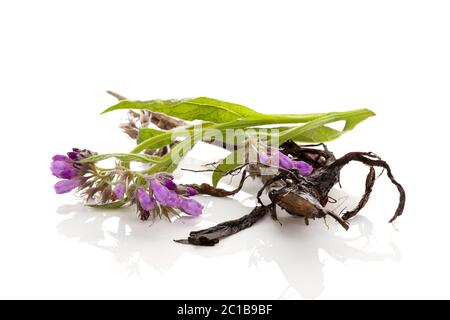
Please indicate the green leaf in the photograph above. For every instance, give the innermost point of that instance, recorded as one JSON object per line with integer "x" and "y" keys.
{"x": 168, "y": 137}
{"x": 201, "y": 108}
{"x": 231, "y": 162}
{"x": 111, "y": 205}
{"x": 170, "y": 161}
{"x": 320, "y": 134}
{"x": 352, "y": 118}
{"x": 127, "y": 157}
{"x": 155, "y": 142}
{"x": 147, "y": 133}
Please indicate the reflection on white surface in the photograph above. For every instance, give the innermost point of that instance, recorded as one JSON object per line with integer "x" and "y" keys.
{"x": 299, "y": 251}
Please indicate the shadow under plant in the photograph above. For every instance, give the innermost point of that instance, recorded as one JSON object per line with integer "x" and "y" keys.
{"x": 293, "y": 246}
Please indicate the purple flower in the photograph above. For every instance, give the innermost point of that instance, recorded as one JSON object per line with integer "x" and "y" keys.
{"x": 173, "y": 200}
{"x": 62, "y": 168}
{"x": 191, "y": 192}
{"x": 145, "y": 200}
{"x": 160, "y": 192}
{"x": 119, "y": 191}
{"x": 163, "y": 195}
{"x": 75, "y": 154}
{"x": 66, "y": 167}
{"x": 60, "y": 157}
{"x": 264, "y": 158}
{"x": 304, "y": 168}
{"x": 170, "y": 184}
{"x": 191, "y": 207}
{"x": 283, "y": 160}
{"x": 65, "y": 186}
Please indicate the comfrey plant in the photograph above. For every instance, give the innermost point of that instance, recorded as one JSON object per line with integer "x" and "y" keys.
{"x": 296, "y": 177}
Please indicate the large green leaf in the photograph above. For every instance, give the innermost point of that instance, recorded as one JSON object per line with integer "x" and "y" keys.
{"x": 352, "y": 118}
{"x": 320, "y": 134}
{"x": 201, "y": 108}
{"x": 155, "y": 142}
{"x": 167, "y": 137}
{"x": 147, "y": 133}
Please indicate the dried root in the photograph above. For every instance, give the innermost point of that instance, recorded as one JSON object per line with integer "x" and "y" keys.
{"x": 300, "y": 196}
{"x": 211, "y": 236}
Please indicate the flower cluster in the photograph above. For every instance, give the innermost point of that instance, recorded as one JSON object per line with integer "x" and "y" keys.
{"x": 161, "y": 194}
{"x": 278, "y": 159}
{"x": 70, "y": 169}
{"x": 155, "y": 195}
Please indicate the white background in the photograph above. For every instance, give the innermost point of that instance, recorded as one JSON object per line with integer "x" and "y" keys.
{"x": 57, "y": 58}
